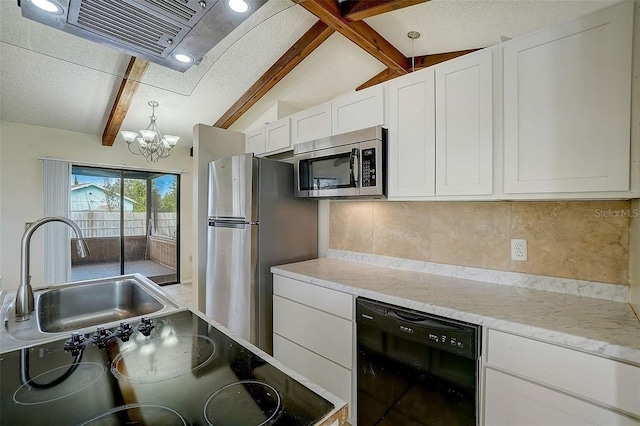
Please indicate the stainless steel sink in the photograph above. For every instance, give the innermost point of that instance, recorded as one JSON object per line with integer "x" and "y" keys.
{"x": 83, "y": 306}
{"x": 76, "y": 307}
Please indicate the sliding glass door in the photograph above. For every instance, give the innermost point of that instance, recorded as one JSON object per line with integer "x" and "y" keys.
{"x": 130, "y": 220}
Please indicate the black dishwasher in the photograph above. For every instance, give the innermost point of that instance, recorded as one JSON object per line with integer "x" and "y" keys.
{"x": 415, "y": 368}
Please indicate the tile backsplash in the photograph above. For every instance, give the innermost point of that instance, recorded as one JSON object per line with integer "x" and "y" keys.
{"x": 587, "y": 240}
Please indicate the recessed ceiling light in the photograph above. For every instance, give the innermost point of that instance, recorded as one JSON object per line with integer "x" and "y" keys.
{"x": 47, "y": 6}
{"x": 182, "y": 58}
{"x": 239, "y": 6}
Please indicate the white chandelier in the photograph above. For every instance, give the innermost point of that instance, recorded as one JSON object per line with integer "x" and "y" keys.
{"x": 152, "y": 145}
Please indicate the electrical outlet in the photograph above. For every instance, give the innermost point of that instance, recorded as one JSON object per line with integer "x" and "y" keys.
{"x": 518, "y": 249}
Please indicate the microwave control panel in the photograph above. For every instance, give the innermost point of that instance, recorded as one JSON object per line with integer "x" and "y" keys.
{"x": 369, "y": 167}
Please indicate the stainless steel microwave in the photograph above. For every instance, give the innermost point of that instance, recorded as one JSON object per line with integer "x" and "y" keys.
{"x": 349, "y": 165}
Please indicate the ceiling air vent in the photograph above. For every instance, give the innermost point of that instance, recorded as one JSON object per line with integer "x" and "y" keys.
{"x": 127, "y": 23}
{"x": 156, "y": 30}
{"x": 179, "y": 10}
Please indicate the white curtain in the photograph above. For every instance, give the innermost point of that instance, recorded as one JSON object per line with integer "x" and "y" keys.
{"x": 57, "y": 239}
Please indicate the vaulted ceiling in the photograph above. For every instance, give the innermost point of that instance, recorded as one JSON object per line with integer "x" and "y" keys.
{"x": 300, "y": 54}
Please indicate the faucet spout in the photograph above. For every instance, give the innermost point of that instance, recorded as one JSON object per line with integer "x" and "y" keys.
{"x": 24, "y": 305}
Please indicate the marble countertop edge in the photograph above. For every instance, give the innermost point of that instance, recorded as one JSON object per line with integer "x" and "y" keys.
{"x": 571, "y": 341}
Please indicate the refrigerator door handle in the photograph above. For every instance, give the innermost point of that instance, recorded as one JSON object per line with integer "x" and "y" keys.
{"x": 228, "y": 224}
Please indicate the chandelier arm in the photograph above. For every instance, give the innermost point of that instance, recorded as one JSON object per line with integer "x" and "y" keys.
{"x": 157, "y": 147}
{"x": 132, "y": 151}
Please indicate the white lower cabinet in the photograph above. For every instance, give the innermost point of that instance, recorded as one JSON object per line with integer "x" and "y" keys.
{"x": 511, "y": 401}
{"x": 313, "y": 333}
{"x": 527, "y": 382}
{"x": 320, "y": 370}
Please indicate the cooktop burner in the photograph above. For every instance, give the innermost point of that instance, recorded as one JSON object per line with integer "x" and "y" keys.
{"x": 155, "y": 360}
{"x": 58, "y": 383}
{"x": 137, "y": 414}
{"x": 186, "y": 372}
{"x": 260, "y": 404}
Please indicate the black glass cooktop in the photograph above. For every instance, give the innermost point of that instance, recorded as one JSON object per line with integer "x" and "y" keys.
{"x": 185, "y": 372}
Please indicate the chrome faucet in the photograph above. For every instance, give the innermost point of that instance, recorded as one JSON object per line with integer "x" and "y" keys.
{"x": 24, "y": 296}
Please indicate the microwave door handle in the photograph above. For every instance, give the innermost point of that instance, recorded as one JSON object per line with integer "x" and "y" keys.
{"x": 354, "y": 166}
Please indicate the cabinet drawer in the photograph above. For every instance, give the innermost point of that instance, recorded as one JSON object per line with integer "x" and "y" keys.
{"x": 331, "y": 376}
{"x": 322, "y": 333}
{"x": 609, "y": 382}
{"x": 324, "y": 299}
{"x": 510, "y": 401}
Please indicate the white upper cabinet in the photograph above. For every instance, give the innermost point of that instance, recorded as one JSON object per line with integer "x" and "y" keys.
{"x": 464, "y": 125}
{"x": 411, "y": 146}
{"x": 278, "y": 135}
{"x": 567, "y": 100}
{"x": 358, "y": 110}
{"x": 310, "y": 124}
{"x": 255, "y": 141}
{"x": 354, "y": 111}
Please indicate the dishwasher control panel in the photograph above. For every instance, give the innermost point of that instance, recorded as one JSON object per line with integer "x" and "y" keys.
{"x": 437, "y": 332}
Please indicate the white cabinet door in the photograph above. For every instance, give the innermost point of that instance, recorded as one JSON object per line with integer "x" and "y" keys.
{"x": 310, "y": 124}
{"x": 320, "y": 332}
{"x": 255, "y": 141}
{"x": 464, "y": 125}
{"x": 567, "y": 106}
{"x": 411, "y": 145}
{"x": 331, "y": 376}
{"x": 278, "y": 135}
{"x": 358, "y": 110}
{"x": 510, "y": 401}
{"x": 612, "y": 383}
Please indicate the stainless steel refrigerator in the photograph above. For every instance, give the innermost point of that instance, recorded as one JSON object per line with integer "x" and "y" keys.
{"x": 254, "y": 223}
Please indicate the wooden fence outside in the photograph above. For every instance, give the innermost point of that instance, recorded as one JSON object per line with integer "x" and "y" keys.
{"x": 97, "y": 224}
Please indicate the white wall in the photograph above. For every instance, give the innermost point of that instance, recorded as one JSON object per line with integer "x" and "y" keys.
{"x": 21, "y": 179}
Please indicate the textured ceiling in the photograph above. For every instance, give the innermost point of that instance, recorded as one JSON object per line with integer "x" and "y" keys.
{"x": 54, "y": 79}
{"x": 449, "y": 25}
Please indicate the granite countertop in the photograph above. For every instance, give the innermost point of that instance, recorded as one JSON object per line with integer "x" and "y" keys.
{"x": 601, "y": 327}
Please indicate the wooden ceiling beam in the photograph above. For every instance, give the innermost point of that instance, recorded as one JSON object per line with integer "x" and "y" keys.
{"x": 357, "y": 10}
{"x": 302, "y": 48}
{"x": 430, "y": 60}
{"x": 358, "y": 32}
{"x": 420, "y": 63}
{"x": 127, "y": 90}
{"x": 385, "y": 75}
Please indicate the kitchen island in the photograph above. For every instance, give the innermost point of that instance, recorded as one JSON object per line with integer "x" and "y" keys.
{"x": 188, "y": 371}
